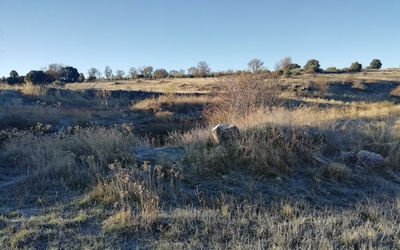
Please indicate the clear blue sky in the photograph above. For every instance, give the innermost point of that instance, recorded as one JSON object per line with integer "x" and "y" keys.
{"x": 177, "y": 34}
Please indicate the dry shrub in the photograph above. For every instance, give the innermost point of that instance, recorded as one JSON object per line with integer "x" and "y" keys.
{"x": 34, "y": 90}
{"x": 261, "y": 151}
{"x": 383, "y": 137}
{"x": 75, "y": 156}
{"x": 335, "y": 171}
{"x": 358, "y": 84}
{"x": 240, "y": 95}
{"x": 396, "y": 91}
{"x": 349, "y": 79}
{"x": 173, "y": 103}
{"x": 134, "y": 192}
{"x": 321, "y": 83}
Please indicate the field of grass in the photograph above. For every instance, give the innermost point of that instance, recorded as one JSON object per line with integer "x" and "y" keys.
{"x": 133, "y": 165}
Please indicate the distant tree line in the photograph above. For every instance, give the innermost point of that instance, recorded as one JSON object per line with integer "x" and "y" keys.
{"x": 60, "y": 74}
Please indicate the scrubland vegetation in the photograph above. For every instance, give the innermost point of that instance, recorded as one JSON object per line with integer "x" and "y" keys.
{"x": 89, "y": 166}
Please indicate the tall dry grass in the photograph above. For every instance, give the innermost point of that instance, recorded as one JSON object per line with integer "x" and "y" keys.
{"x": 75, "y": 156}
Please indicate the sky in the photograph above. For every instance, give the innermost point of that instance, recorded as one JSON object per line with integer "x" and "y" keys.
{"x": 177, "y": 34}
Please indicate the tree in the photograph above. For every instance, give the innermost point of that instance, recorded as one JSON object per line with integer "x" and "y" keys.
{"x": 81, "y": 77}
{"x": 13, "y": 73}
{"x": 119, "y": 73}
{"x": 69, "y": 74}
{"x": 92, "y": 73}
{"x": 171, "y": 72}
{"x": 148, "y": 72}
{"x": 312, "y": 66}
{"x": 54, "y": 70}
{"x": 191, "y": 70}
{"x": 35, "y": 77}
{"x": 332, "y": 70}
{"x": 255, "y": 65}
{"x": 203, "y": 69}
{"x": 98, "y": 75}
{"x": 160, "y": 73}
{"x": 14, "y": 78}
{"x": 108, "y": 72}
{"x": 355, "y": 67}
{"x": 375, "y": 64}
{"x": 133, "y": 72}
{"x": 283, "y": 63}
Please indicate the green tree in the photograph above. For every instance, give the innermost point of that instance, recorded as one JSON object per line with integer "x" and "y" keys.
{"x": 69, "y": 74}
{"x": 14, "y": 78}
{"x": 13, "y": 73}
{"x": 36, "y": 77}
{"x": 312, "y": 66}
{"x": 331, "y": 70}
{"x": 375, "y": 64}
{"x": 355, "y": 67}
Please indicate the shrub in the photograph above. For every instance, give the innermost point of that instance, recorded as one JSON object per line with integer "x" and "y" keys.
{"x": 355, "y": 67}
{"x": 375, "y": 64}
{"x": 240, "y": 95}
{"x": 312, "y": 66}
{"x": 331, "y": 70}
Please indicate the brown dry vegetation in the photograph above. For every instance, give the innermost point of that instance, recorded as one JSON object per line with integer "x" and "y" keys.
{"x": 101, "y": 172}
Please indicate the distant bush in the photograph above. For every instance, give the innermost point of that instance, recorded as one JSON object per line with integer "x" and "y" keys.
{"x": 355, "y": 67}
{"x": 332, "y": 70}
{"x": 296, "y": 71}
{"x": 312, "y": 66}
{"x": 242, "y": 95}
{"x": 344, "y": 70}
{"x": 375, "y": 64}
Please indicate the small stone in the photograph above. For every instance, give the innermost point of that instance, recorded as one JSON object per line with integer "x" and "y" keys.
{"x": 221, "y": 150}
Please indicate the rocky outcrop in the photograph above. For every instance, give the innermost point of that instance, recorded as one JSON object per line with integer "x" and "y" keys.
{"x": 363, "y": 159}
{"x": 225, "y": 134}
{"x": 370, "y": 159}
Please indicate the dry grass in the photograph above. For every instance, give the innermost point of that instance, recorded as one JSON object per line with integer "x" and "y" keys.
{"x": 177, "y": 85}
{"x": 173, "y": 103}
{"x": 85, "y": 188}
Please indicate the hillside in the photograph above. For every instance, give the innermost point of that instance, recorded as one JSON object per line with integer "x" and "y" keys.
{"x": 134, "y": 165}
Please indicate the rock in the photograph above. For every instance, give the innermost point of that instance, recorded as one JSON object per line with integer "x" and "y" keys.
{"x": 225, "y": 134}
{"x": 370, "y": 159}
{"x": 348, "y": 158}
{"x": 221, "y": 149}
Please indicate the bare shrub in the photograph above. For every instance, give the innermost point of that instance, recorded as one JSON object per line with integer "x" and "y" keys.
{"x": 321, "y": 83}
{"x": 396, "y": 91}
{"x": 358, "y": 84}
{"x": 240, "y": 95}
{"x": 383, "y": 137}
